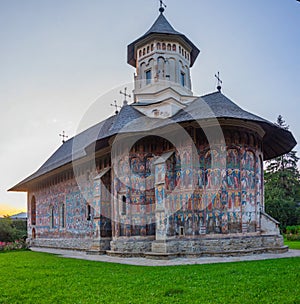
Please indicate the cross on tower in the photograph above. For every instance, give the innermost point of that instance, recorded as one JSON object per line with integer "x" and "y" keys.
{"x": 63, "y": 135}
{"x": 219, "y": 81}
{"x": 162, "y": 6}
{"x": 125, "y": 95}
{"x": 116, "y": 106}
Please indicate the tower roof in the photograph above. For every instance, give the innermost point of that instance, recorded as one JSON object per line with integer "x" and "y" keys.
{"x": 161, "y": 26}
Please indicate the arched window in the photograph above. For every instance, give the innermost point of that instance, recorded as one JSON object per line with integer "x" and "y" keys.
{"x": 158, "y": 46}
{"x": 174, "y": 47}
{"x": 169, "y": 47}
{"x": 148, "y": 75}
{"x": 33, "y": 233}
{"x": 140, "y": 53}
{"x": 179, "y": 49}
{"x": 33, "y": 211}
{"x": 144, "y": 51}
{"x": 164, "y": 46}
{"x": 152, "y": 47}
{"x": 182, "y": 78}
{"x": 148, "y": 49}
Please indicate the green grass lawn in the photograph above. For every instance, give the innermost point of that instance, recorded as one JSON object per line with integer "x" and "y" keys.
{"x": 31, "y": 277}
{"x": 292, "y": 244}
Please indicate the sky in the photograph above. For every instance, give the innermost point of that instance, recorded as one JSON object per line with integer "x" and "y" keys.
{"x": 58, "y": 57}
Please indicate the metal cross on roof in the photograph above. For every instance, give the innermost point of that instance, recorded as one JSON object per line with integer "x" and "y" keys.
{"x": 125, "y": 95}
{"x": 64, "y": 136}
{"x": 162, "y": 6}
{"x": 116, "y": 106}
{"x": 219, "y": 81}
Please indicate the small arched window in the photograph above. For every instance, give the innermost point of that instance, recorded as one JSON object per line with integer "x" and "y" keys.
{"x": 169, "y": 47}
{"x": 158, "y": 46}
{"x": 144, "y": 51}
{"x": 148, "y": 49}
{"x": 164, "y": 46}
{"x": 174, "y": 47}
{"x": 140, "y": 53}
{"x": 33, "y": 233}
{"x": 152, "y": 47}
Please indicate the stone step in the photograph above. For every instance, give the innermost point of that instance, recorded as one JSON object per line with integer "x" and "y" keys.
{"x": 161, "y": 256}
{"x": 95, "y": 252}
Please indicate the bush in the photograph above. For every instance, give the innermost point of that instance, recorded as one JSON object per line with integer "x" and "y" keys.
{"x": 293, "y": 233}
{"x": 293, "y": 229}
{"x": 16, "y": 245}
{"x": 293, "y": 237}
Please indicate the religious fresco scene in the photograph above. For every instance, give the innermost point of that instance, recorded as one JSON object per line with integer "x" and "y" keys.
{"x": 170, "y": 174}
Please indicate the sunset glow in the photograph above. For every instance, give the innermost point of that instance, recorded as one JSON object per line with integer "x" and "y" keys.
{"x": 5, "y": 209}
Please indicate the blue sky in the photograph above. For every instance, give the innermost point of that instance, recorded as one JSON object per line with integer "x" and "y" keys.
{"x": 57, "y": 57}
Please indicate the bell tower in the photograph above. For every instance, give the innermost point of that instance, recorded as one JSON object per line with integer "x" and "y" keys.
{"x": 162, "y": 58}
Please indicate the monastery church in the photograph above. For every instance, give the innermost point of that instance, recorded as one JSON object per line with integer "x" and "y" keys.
{"x": 170, "y": 174}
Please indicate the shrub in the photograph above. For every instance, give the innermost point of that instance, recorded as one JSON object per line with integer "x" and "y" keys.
{"x": 16, "y": 245}
{"x": 293, "y": 233}
{"x": 293, "y": 229}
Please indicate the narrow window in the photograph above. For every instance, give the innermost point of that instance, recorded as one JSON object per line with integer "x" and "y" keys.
{"x": 89, "y": 212}
{"x": 52, "y": 217}
{"x": 174, "y": 47}
{"x": 148, "y": 76}
{"x": 148, "y": 49}
{"x": 33, "y": 211}
{"x": 169, "y": 47}
{"x": 62, "y": 216}
{"x": 164, "y": 46}
{"x": 158, "y": 46}
{"x": 123, "y": 204}
{"x": 182, "y": 79}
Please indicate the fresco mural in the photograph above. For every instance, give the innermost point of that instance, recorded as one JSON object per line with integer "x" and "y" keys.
{"x": 207, "y": 194}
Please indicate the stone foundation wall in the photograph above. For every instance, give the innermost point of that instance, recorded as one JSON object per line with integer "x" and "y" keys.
{"x": 223, "y": 245}
{"x": 131, "y": 246}
{"x": 202, "y": 247}
{"x": 71, "y": 243}
{"x": 182, "y": 247}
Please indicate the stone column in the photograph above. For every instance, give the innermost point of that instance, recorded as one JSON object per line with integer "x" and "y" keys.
{"x": 99, "y": 244}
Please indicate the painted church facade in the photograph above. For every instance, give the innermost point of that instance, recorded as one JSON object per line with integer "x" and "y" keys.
{"x": 169, "y": 174}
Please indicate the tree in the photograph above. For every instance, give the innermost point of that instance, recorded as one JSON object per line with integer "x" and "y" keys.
{"x": 12, "y": 230}
{"x": 282, "y": 186}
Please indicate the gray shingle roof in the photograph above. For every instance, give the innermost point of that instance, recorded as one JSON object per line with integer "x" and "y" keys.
{"x": 277, "y": 141}
{"x": 163, "y": 27}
